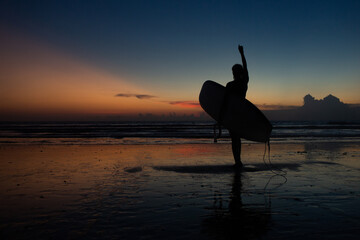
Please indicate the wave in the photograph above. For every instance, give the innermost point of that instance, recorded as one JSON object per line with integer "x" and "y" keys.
{"x": 160, "y": 132}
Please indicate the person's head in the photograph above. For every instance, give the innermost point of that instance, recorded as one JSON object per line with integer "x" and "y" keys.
{"x": 238, "y": 72}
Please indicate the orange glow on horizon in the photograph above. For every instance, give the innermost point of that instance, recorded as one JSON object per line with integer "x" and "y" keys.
{"x": 38, "y": 80}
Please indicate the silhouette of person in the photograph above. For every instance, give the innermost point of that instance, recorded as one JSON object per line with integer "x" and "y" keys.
{"x": 238, "y": 87}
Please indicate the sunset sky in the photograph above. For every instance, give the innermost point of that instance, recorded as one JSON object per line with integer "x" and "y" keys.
{"x": 83, "y": 59}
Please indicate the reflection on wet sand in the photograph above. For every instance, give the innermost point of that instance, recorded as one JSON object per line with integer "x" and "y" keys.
{"x": 186, "y": 191}
{"x": 237, "y": 220}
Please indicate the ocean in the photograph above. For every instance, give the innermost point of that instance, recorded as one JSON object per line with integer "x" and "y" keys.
{"x": 163, "y": 132}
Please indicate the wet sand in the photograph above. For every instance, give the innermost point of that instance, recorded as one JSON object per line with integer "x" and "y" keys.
{"x": 179, "y": 191}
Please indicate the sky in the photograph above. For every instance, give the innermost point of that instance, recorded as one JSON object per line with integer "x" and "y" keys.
{"x": 91, "y": 59}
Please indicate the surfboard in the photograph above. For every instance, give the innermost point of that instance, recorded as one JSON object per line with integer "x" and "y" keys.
{"x": 239, "y": 115}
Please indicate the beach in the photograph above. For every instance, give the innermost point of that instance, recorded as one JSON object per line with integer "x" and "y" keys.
{"x": 180, "y": 191}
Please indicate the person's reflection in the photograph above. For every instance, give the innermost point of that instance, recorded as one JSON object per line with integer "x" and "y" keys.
{"x": 235, "y": 203}
{"x": 248, "y": 221}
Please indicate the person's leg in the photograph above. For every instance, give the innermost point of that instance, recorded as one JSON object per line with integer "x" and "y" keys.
{"x": 236, "y": 148}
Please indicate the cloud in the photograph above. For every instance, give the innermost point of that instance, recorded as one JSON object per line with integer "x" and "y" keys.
{"x": 185, "y": 104}
{"x": 275, "y": 107}
{"x": 327, "y": 102}
{"x": 139, "y": 96}
{"x": 327, "y": 109}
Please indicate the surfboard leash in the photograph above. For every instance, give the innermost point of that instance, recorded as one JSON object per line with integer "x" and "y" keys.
{"x": 215, "y": 138}
{"x": 218, "y": 136}
{"x": 277, "y": 171}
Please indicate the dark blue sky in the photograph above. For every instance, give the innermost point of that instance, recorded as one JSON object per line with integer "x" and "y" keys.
{"x": 171, "y": 47}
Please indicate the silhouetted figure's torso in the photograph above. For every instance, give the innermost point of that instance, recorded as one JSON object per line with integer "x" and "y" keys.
{"x": 238, "y": 88}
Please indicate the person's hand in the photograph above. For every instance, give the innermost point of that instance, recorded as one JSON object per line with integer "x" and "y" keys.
{"x": 241, "y": 49}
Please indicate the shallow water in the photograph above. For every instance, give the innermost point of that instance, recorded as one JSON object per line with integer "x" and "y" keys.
{"x": 179, "y": 191}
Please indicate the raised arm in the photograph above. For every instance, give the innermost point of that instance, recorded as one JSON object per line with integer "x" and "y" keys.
{"x": 241, "y": 50}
